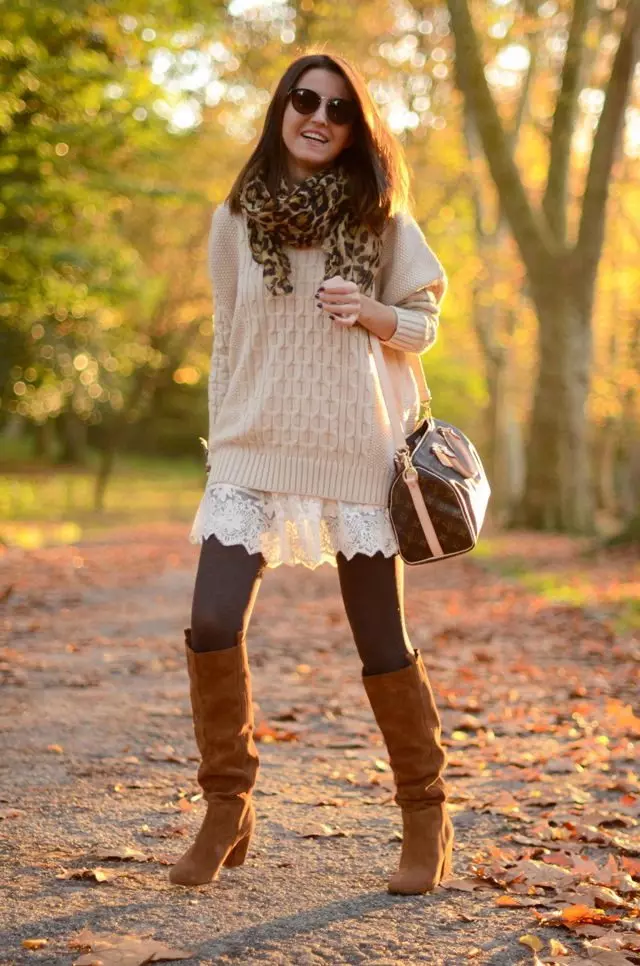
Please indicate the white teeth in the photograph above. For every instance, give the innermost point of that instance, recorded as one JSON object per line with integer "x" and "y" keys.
{"x": 314, "y": 137}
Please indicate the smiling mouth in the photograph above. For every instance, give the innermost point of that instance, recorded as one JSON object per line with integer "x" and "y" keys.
{"x": 316, "y": 138}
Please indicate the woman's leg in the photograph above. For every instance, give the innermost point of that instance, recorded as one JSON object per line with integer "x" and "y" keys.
{"x": 398, "y": 688}
{"x": 226, "y": 587}
{"x": 373, "y": 591}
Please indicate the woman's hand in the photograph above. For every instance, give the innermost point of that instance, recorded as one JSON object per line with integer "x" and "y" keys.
{"x": 341, "y": 299}
{"x": 346, "y": 306}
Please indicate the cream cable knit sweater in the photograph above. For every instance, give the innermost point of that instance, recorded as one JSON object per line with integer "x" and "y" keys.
{"x": 294, "y": 404}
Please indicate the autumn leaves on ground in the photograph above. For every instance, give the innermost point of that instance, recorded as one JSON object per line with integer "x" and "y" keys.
{"x": 533, "y": 649}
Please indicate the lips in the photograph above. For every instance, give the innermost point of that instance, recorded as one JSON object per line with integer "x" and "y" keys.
{"x": 315, "y": 136}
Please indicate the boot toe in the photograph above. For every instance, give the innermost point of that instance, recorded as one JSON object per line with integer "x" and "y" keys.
{"x": 412, "y": 882}
{"x": 189, "y": 876}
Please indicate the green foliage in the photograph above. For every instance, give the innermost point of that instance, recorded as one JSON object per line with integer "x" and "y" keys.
{"x": 43, "y": 506}
{"x": 123, "y": 124}
{"x": 80, "y": 145}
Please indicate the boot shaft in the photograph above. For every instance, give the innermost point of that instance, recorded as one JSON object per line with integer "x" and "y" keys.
{"x": 223, "y": 722}
{"x": 405, "y": 711}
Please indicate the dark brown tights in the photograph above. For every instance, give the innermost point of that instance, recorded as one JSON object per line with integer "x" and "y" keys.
{"x": 227, "y": 585}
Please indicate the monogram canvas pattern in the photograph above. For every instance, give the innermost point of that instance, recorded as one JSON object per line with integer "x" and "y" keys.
{"x": 456, "y": 503}
{"x": 448, "y": 520}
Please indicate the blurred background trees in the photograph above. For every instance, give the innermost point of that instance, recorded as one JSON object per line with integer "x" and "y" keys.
{"x": 122, "y": 126}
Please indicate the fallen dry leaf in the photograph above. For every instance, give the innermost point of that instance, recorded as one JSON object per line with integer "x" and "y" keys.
{"x": 124, "y": 854}
{"x": 266, "y": 733}
{"x": 165, "y": 832}
{"x": 6, "y": 813}
{"x": 533, "y": 942}
{"x": 622, "y": 717}
{"x": 466, "y": 884}
{"x": 164, "y": 753}
{"x": 519, "y": 902}
{"x": 536, "y": 873}
{"x": 577, "y": 915}
{"x": 122, "y": 950}
{"x": 324, "y": 832}
{"x": 92, "y": 875}
{"x": 556, "y": 948}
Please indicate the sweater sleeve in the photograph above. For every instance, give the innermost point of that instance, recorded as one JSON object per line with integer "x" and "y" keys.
{"x": 223, "y": 271}
{"x": 413, "y": 281}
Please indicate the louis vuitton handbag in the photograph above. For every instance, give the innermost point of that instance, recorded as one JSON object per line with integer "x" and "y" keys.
{"x": 439, "y": 496}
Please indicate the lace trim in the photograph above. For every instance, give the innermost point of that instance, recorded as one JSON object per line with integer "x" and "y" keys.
{"x": 289, "y": 529}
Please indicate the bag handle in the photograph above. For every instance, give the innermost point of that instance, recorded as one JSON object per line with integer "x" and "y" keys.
{"x": 409, "y": 473}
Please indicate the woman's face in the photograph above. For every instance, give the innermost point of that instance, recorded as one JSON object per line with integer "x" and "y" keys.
{"x": 312, "y": 141}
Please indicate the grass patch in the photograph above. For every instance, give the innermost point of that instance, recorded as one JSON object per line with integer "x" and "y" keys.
{"x": 628, "y": 618}
{"x": 554, "y": 588}
{"x": 579, "y": 584}
{"x": 45, "y": 505}
{"x": 488, "y": 553}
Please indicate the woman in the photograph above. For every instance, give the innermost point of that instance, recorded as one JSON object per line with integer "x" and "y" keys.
{"x": 313, "y": 250}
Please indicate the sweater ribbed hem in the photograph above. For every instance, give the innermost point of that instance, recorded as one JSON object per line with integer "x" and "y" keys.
{"x": 344, "y": 479}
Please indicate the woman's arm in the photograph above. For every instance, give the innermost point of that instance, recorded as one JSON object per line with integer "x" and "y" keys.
{"x": 223, "y": 271}
{"x": 410, "y": 327}
{"x": 413, "y": 281}
{"x": 410, "y": 285}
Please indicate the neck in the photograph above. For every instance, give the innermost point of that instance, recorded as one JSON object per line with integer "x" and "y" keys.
{"x": 296, "y": 173}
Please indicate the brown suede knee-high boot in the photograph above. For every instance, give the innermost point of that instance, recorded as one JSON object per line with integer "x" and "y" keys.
{"x": 405, "y": 710}
{"x": 220, "y": 687}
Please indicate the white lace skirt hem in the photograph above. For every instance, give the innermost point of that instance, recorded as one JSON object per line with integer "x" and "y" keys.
{"x": 289, "y": 529}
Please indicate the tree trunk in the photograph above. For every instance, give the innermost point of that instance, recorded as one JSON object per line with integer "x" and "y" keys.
{"x": 73, "y": 438}
{"x": 605, "y": 458}
{"x": 558, "y": 492}
{"x": 504, "y": 443}
{"x": 45, "y": 441}
{"x": 105, "y": 470}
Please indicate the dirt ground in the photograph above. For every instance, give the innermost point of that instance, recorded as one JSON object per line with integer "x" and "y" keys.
{"x": 97, "y": 770}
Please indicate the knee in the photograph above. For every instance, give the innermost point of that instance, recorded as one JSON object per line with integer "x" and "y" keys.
{"x": 211, "y": 632}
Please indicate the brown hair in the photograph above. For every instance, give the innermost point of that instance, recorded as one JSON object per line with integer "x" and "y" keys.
{"x": 374, "y": 161}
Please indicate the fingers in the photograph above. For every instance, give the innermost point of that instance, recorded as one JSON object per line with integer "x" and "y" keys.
{"x": 345, "y": 312}
{"x": 346, "y": 320}
{"x": 337, "y": 286}
{"x": 339, "y": 298}
{"x": 340, "y": 308}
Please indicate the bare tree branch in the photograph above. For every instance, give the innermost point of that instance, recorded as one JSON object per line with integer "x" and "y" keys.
{"x": 554, "y": 203}
{"x": 605, "y": 145}
{"x": 533, "y": 240}
{"x": 527, "y": 83}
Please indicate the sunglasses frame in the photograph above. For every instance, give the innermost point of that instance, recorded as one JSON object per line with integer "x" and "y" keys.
{"x": 330, "y": 101}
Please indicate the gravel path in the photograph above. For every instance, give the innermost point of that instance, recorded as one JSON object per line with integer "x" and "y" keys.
{"x": 97, "y": 756}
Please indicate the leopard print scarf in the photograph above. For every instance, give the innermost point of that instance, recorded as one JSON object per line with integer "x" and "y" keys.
{"x": 314, "y": 212}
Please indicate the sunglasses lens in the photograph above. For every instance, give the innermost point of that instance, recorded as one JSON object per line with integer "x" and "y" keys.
{"x": 340, "y": 111}
{"x": 305, "y": 101}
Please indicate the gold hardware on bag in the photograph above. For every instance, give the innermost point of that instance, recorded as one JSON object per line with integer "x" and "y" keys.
{"x": 404, "y": 463}
{"x": 409, "y": 472}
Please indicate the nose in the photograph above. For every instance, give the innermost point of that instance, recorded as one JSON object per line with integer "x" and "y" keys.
{"x": 320, "y": 114}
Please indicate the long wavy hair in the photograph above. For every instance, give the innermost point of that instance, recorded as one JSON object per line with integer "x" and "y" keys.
{"x": 374, "y": 161}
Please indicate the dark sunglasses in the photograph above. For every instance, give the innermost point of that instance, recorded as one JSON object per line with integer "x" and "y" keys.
{"x": 339, "y": 109}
